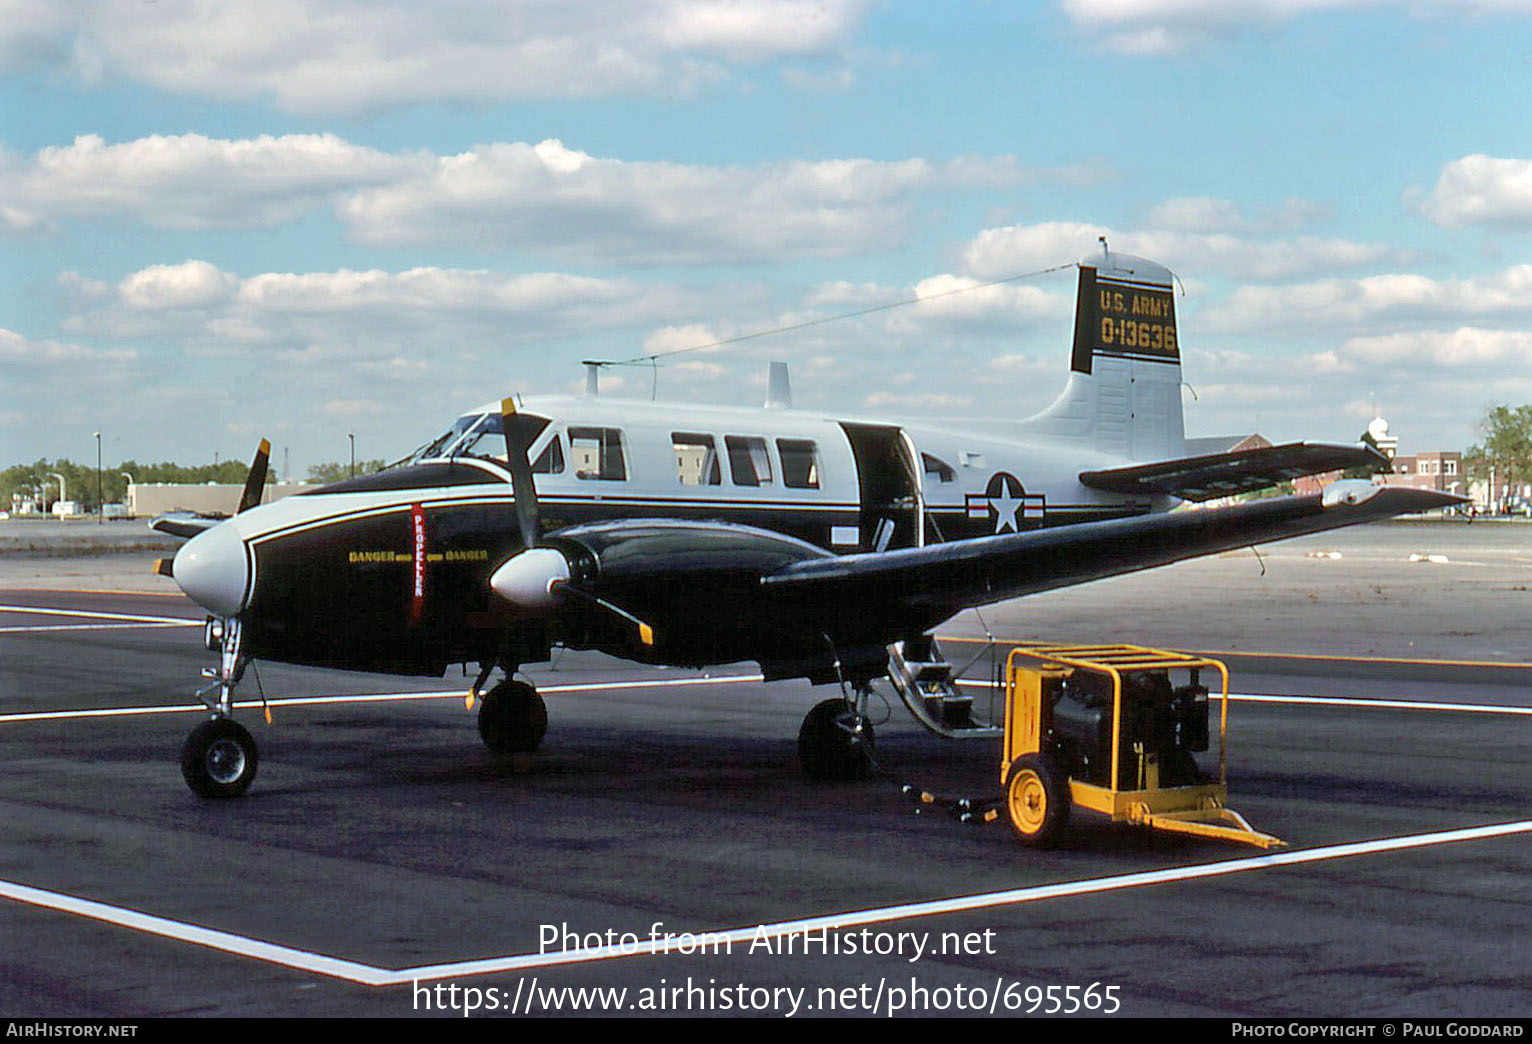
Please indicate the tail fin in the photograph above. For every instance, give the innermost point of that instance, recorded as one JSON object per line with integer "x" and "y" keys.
{"x": 1124, "y": 391}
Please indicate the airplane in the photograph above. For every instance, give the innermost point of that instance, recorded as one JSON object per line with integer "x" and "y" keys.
{"x": 820, "y": 547}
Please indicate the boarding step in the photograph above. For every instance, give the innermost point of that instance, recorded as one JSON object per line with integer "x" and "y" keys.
{"x": 927, "y": 684}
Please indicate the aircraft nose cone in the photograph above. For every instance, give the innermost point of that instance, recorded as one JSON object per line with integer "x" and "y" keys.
{"x": 211, "y": 568}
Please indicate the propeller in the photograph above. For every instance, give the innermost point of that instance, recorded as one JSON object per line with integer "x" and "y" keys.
{"x": 255, "y": 482}
{"x": 518, "y": 449}
{"x": 188, "y": 524}
{"x": 536, "y": 578}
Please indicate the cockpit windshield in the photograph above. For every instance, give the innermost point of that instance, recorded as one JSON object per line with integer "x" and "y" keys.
{"x": 440, "y": 446}
{"x": 478, "y": 435}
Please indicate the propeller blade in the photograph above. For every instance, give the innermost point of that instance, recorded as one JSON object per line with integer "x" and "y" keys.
{"x": 517, "y": 447}
{"x": 255, "y": 482}
{"x": 645, "y": 632}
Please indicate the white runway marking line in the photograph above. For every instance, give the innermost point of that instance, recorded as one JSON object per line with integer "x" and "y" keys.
{"x": 1350, "y": 701}
{"x": 660, "y": 683}
{"x": 120, "y": 620}
{"x": 1361, "y": 702}
{"x": 364, "y": 697}
{"x": 370, "y": 975}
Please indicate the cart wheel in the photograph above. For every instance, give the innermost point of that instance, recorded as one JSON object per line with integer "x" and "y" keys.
{"x": 1037, "y": 800}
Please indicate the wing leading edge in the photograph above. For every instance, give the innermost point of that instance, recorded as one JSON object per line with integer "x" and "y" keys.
{"x": 1241, "y": 471}
{"x": 943, "y": 579}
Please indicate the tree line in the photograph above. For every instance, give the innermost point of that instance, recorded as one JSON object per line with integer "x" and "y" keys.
{"x": 1506, "y": 451}
{"x": 80, "y": 479}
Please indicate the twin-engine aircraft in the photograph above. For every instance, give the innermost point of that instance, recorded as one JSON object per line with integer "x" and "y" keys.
{"x": 819, "y": 547}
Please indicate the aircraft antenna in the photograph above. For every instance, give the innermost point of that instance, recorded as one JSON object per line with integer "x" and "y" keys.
{"x": 653, "y": 358}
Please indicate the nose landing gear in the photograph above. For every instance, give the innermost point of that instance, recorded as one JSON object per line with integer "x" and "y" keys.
{"x": 219, "y": 758}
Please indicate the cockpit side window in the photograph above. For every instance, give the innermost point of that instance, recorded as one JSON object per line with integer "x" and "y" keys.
{"x": 696, "y": 458}
{"x": 486, "y": 438}
{"x": 749, "y": 460}
{"x": 551, "y": 460}
{"x": 597, "y": 454}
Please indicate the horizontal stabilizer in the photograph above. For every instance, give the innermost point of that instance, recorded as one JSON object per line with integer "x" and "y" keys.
{"x": 1225, "y": 474}
{"x": 184, "y": 524}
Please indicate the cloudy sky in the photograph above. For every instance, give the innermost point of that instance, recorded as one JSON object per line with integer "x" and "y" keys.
{"x": 223, "y": 219}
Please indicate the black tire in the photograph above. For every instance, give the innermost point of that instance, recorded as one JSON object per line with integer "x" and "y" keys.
{"x": 219, "y": 759}
{"x": 512, "y": 718}
{"x": 827, "y": 747}
{"x": 1037, "y": 800}
{"x": 1179, "y": 769}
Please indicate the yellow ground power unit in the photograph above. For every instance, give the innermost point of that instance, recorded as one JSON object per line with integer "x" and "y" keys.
{"x": 1115, "y": 729}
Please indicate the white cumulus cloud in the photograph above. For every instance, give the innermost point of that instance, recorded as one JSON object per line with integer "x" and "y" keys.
{"x": 997, "y": 252}
{"x": 192, "y": 181}
{"x": 1170, "y": 27}
{"x": 351, "y": 56}
{"x": 565, "y": 202}
{"x": 1482, "y": 190}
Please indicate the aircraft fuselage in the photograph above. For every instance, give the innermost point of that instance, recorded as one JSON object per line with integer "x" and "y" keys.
{"x": 390, "y": 571}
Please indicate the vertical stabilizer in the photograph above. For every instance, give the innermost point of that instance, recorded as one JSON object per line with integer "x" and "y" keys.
{"x": 1124, "y": 391}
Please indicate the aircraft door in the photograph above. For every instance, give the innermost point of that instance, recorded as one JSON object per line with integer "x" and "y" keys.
{"x": 887, "y": 484}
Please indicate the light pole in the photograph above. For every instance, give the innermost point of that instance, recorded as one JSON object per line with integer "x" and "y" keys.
{"x": 353, "y": 453}
{"x": 63, "y": 493}
{"x": 100, "y": 500}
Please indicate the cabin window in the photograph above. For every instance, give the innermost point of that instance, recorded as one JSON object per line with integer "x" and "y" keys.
{"x": 749, "y": 461}
{"x": 800, "y": 463}
{"x": 597, "y": 454}
{"x": 551, "y": 460}
{"x": 939, "y": 468}
{"x": 696, "y": 459}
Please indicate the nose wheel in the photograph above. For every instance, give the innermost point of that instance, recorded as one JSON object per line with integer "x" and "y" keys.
{"x": 219, "y": 759}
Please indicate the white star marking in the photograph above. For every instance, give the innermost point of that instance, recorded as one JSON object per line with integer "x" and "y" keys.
{"x": 1005, "y": 507}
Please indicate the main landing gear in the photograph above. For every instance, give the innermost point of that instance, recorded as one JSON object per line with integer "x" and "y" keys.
{"x": 512, "y": 718}
{"x": 836, "y": 740}
{"x": 219, "y": 758}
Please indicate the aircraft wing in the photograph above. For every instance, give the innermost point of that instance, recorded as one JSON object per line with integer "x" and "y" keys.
{"x": 1224, "y": 474}
{"x": 943, "y": 579}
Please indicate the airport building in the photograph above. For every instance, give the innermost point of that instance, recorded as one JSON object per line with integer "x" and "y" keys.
{"x": 145, "y": 500}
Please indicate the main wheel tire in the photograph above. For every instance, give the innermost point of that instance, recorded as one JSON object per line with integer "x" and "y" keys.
{"x": 828, "y": 749}
{"x": 1179, "y": 769}
{"x": 219, "y": 759}
{"x": 512, "y": 718}
{"x": 1037, "y": 800}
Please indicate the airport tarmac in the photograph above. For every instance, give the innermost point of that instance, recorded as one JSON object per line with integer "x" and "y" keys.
{"x": 382, "y": 852}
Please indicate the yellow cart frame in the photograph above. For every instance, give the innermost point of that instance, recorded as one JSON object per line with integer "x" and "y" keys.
{"x": 1199, "y": 809}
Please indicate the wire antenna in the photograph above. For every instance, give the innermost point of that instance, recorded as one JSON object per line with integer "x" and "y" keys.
{"x": 653, "y": 358}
